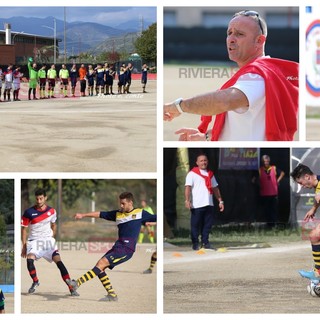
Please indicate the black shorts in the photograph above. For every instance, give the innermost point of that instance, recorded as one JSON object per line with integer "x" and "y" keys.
{"x": 100, "y": 82}
{"x": 43, "y": 83}
{"x": 117, "y": 255}
{"x": 51, "y": 83}
{"x": 64, "y": 82}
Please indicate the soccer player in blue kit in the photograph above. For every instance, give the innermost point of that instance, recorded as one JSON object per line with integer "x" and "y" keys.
{"x": 129, "y": 221}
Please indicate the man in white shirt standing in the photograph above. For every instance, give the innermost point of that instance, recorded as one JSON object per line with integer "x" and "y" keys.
{"x": 199, "y": 187}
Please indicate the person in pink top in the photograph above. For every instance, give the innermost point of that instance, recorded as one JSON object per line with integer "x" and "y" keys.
{"x": 270, "y": 177}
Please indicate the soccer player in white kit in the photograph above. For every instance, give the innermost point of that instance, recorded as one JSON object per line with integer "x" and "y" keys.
{"x": 40, "y": 243}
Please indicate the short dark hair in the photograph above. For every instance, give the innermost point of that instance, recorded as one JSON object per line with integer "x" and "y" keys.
{"x": 300, "y": 171}
{"x": 40, "y": 192}
{"x": 126, "y": 195}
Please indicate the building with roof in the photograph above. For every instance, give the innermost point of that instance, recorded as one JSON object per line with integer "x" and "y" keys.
{"x": 17, "y": 47}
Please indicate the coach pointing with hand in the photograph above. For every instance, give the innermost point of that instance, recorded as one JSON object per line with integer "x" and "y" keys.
{"x": 258, "y": 103}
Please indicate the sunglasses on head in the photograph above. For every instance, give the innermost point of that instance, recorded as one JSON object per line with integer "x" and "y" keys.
{"x": 250, "y": 13}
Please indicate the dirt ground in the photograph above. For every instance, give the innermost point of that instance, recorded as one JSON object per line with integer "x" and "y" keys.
{"x": 187, "y": 81}
{"x": 9, "y": 302}
{"x": 136, "y": 291}
{"x": 313, "y": 129}
{"x": 90, "y": 134}
{"x": 238, "y": 281}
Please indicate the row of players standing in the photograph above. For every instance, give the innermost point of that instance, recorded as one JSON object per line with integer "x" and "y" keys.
{"x": 100, "y": 78}
{"x": 11, "y": 78}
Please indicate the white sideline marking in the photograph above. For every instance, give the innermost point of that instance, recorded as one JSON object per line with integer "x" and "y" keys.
{"x": 194, "y": 257}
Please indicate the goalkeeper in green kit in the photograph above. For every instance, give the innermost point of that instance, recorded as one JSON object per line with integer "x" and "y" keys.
{"x": 33, "y": 78}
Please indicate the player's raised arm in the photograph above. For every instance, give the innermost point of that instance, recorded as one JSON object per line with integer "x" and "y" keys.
{"x": 79, "y": 216}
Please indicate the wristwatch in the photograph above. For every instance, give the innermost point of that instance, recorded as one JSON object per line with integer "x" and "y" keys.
{"x": 177, "y": 104}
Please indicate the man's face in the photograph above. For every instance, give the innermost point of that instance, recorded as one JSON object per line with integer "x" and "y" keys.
{"x": 41, "y": 201}
{"x": 202, "y": 162}
{"x": 126, "y": 205}
{"x": 306, "y": 181}
{"x": 243, "y": 39}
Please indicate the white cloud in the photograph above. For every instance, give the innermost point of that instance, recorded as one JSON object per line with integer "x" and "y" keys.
{"x": 102, "y": 15}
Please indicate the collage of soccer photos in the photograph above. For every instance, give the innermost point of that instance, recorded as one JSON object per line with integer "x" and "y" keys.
{"x": 207, "y": 115}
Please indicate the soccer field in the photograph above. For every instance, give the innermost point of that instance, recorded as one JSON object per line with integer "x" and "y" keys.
{"x": 89, "y": 134}
{"x": 136, "y": 291}
{"x": 238, "y": 281}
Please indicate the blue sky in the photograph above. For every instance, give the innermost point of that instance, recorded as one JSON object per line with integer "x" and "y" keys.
{"x": 110, "y": 16}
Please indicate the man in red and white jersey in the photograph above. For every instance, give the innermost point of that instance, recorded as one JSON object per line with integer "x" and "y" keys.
{"x": 40, "y": 242}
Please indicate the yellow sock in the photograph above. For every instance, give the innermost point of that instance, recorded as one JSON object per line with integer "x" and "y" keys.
{"x": 141, "y": 236}
{"x": 107, "y": 284}
{"x": 88, "y": 276}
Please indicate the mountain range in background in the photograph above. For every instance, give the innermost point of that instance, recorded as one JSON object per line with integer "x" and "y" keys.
{"x": 82, "y": 36}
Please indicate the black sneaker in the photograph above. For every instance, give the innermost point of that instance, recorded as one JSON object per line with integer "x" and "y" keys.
{"x": 33, "y": 287}
{"x": 195, "y": 246}
{"x": 208, "y": 246}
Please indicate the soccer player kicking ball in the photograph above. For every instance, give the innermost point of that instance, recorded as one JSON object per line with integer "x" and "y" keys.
{"x": 129, "y": 221}
{"x": 41, "y": 220}
{"x": 304, "y": 176}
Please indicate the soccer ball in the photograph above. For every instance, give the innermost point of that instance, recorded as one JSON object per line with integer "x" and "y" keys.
{"x": 314, "y": 289}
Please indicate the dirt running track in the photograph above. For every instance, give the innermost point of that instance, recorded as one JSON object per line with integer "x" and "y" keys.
{"x": 90, "y": 134}
{"x": 238, "y": 281}
{"x": 136, "y": 291}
